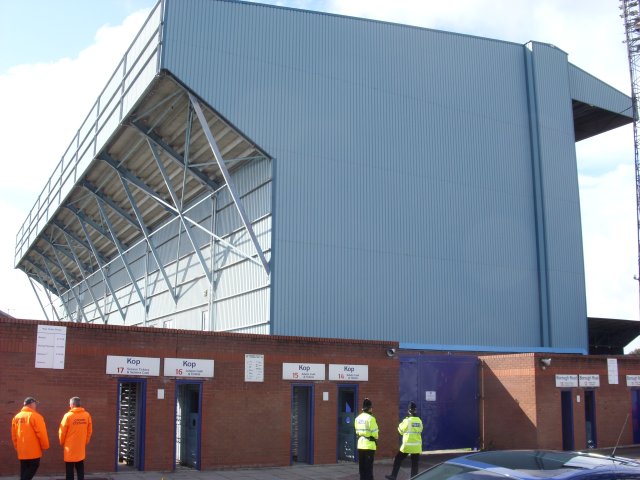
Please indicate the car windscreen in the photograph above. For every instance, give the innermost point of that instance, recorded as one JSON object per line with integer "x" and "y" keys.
{"x": 451, "y": 471}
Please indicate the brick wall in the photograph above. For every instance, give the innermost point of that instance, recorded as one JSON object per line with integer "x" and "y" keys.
{"x": 243, "y": 423}
{"x": 521, "y": 405}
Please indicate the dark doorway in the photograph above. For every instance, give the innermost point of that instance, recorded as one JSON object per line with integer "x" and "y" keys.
{"x": 635, "y": 414}
{"x": 130, "y": 424}
{"x": 188, "y": 424}
{"x": 302, "y": 424}
{"x": 347, "y": 395}
{"x": 566, "y": 399}
{"x": 590, "y": 418}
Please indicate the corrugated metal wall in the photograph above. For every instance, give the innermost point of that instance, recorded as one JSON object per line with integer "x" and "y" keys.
{"x": 560, "y": 197}
{"x": 404, "y": 199}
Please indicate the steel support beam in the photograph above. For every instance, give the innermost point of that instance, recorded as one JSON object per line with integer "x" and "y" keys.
{"x": 60, "y": 296}
{"x": 228, "y": 180}
{"x": 41, "y": 281}
{"x": 53, "y": 280}
{"x": 73, "y": 257}
{"x": 175, "y": 156}
{"x": 38, "y": 297}
{"x": 44, "y": 255}
{"x": 89, "y": 221}
{"x": 178, "y": 203}
{"x": 121, "y": 252}
{"x": 72, "y": 290}
{"x": 86, "y": 282}
{"x": 80, "y": 242}
{"x": 145, "y": 232}
{"x": 108, "y": 201}
{"x": 133, "y": 179}
{"x": 101, "y": 265}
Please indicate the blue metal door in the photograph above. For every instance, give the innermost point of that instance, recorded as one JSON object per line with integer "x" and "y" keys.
{"x": 566, "y": 399}
{"x": 302, "y": 424}
{"x": 590, "y": 418}
{"x": 635, "y": 414}
{"x": 445, "y": 389}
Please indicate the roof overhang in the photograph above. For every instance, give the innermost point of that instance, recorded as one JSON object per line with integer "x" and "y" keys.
{"x": 609, "y": 336}
{"x": 157, "y": 163}
{"x": 589, "y": 120}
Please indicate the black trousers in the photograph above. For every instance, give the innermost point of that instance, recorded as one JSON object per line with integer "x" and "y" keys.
{"x": 28, "y": 468}
{"x": 79, "y": 466}
{"x": 400, "y": 456}
{"x": 365, "y": 464}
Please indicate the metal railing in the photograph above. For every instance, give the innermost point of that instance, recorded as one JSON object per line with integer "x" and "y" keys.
{"x": 136, "y": 70}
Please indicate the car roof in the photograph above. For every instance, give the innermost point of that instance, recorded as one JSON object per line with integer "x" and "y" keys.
{"x": 536, "y": 464}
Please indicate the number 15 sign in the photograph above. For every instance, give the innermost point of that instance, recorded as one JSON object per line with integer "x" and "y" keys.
{"x": 303, "y": 371}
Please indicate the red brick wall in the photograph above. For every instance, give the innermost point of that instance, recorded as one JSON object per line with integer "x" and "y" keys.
{"x": 508, "y": 403}
{"x": 521, "y": 405}
{"x": 242, "y": 423}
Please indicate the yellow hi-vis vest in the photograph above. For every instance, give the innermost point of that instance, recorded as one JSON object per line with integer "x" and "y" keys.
{"x": 366, "y": 429}
{"x": 411, "y": 430}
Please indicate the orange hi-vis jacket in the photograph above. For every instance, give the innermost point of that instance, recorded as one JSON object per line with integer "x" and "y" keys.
{"x": 29, "y": 434}
{"x": 74, "y": 434}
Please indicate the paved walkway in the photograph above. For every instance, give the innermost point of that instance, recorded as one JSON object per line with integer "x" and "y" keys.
{"x": 341, "y": 471}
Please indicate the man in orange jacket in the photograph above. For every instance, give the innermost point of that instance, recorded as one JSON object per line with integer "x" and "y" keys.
{"x": 74, "y": 435}
{"x": 29, "y": 435}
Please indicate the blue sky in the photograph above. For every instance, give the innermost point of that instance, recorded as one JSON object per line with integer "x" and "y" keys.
{"x": 46, "y": 30}
{"x": 57, "y": 56}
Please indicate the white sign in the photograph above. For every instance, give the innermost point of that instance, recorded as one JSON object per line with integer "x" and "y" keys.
{"x": 612, "y": 370}
{"x": 303, "y": 371}
{"x": 145, "y": 366}
{"x": 354, "y": 373}
{"x": 633, "y": 380}
{"x": 188, "y": 367}
{"x": 253, "y": 368}
{"x": 566, "y": 380}
{"x": 50, "y": 346}
{"x": 430, "y": 396}
{"x": 590, "y": 380}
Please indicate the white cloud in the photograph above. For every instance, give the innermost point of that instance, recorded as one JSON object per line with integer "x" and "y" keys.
{"x": 43, "y": 105}
{"x": 610, "y": 244}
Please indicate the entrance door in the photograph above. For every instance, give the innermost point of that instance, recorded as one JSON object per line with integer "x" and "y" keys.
{"x": 346, "y": 415}
{"x": 566, "y": 399}
{"x": 302, "y": 424}
{"x": 130, "y": 424}
{"x": 188, "y": 407}
{"x": 590, "y": 418}
{"x": 445, "y": 390}
{"x": 635, "y": 414}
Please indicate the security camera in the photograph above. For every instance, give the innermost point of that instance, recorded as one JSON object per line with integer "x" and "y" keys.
{"x": 545, "y": 362}
{"x": 391, "y": 352}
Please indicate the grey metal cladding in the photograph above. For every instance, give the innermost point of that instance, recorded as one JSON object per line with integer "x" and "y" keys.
{"x": 593, "y": 91}
{"x": 403, "y": 197}
{"x": 561, "y": 202}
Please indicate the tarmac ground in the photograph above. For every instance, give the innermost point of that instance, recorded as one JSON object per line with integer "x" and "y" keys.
{"x": 340, "y": 471}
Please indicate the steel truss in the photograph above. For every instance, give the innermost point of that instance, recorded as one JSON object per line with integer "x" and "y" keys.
{"x": 100, "y": 224}
{"x": 631, "y": 16}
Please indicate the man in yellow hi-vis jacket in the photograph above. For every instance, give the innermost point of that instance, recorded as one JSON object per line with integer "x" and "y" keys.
{"x": 367, "y": 433}
{"x": 411, "y": 430}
